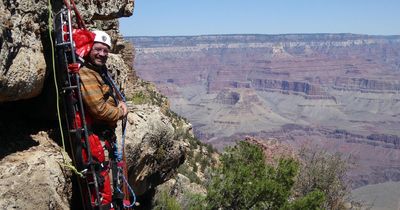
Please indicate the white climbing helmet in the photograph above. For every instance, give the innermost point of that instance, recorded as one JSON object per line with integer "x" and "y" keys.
{"x": 102, "y": 37}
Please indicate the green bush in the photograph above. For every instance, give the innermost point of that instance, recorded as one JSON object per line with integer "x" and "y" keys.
{"x": 245, "y": 181}
{"x": 139, "y": 98}
{"x": 198, "y": 157}
{"x": 210, "y": 149}
{"x": 204, "y": 163}
{"x": 312, "y": 200}
{"x": 165, "y": 202}
{"x": 194, "y": 202}
{"x": 190, "y": 174}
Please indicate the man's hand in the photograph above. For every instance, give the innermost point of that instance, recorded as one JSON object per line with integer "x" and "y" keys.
{"x": 124, "y": 108}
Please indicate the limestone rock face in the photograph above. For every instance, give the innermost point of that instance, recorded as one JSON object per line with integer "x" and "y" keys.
{"x": 34, "y": 178}
{"x": 105, "y": 10}
{"x": 152, "y": 150}
{"x": 118, "y": 69}
{"x": 24, "y": 40}
{"x": 22, "y": 64}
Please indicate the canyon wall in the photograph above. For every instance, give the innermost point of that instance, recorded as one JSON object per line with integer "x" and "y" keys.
{"x": 339, "y": 91}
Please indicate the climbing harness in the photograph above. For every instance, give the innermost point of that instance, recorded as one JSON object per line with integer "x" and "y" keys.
{"x": 71, "y": 45}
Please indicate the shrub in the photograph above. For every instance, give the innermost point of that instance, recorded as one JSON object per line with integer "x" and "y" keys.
{"x": 245, "y": 181}
{"x": 325, "y": 172}
{"x": 165, "y": 202}
{"x": 204, "y": 163}
{"x": 312, "y": 200}
{"x": 192, "y": 201}
{"x": 190, "y": 174}
{"x": 139, "y": 98}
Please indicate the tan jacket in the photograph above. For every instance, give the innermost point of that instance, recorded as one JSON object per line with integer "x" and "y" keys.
{"x": 97, "y": 98}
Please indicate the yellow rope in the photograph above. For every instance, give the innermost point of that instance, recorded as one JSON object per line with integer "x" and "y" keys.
{"x": 63, "y": 152}
{"x": 72, "y": 168}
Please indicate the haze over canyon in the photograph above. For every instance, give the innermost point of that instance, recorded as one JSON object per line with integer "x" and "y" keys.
{"x": 337, "y": 91}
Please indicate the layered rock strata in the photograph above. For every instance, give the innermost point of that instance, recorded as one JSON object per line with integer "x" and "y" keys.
{"x": 343, "y": 89}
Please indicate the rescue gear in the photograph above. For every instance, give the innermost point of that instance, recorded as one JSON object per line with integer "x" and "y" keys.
{"x": 86, "y": 149}
{"x": 101, "y": 167}
{"x": 102, "y": 37}
{"x": 83, "y": 40}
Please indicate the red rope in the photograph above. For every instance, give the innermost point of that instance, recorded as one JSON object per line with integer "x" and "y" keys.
{"x": 125, "y": 172}
{"x": 78, "y": 16}
{"x": 80, "y": 22}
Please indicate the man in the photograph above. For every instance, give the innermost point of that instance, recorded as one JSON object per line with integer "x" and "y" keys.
{"x": 97, "y": 94}
{"x": 103, "y": 110}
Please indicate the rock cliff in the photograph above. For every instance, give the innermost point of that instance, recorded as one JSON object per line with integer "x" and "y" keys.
{"x": 33, "y": 166}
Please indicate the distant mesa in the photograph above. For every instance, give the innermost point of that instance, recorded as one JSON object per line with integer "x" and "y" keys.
{"x": 227, "y": 97}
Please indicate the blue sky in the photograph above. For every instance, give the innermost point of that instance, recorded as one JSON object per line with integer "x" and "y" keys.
{"x": 200, "y": 17}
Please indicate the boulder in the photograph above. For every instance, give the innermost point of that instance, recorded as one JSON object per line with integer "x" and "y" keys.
{"x": 22, "y": 67}
{"x": 153, "y": 153}
{"x": 36, "y": 178}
